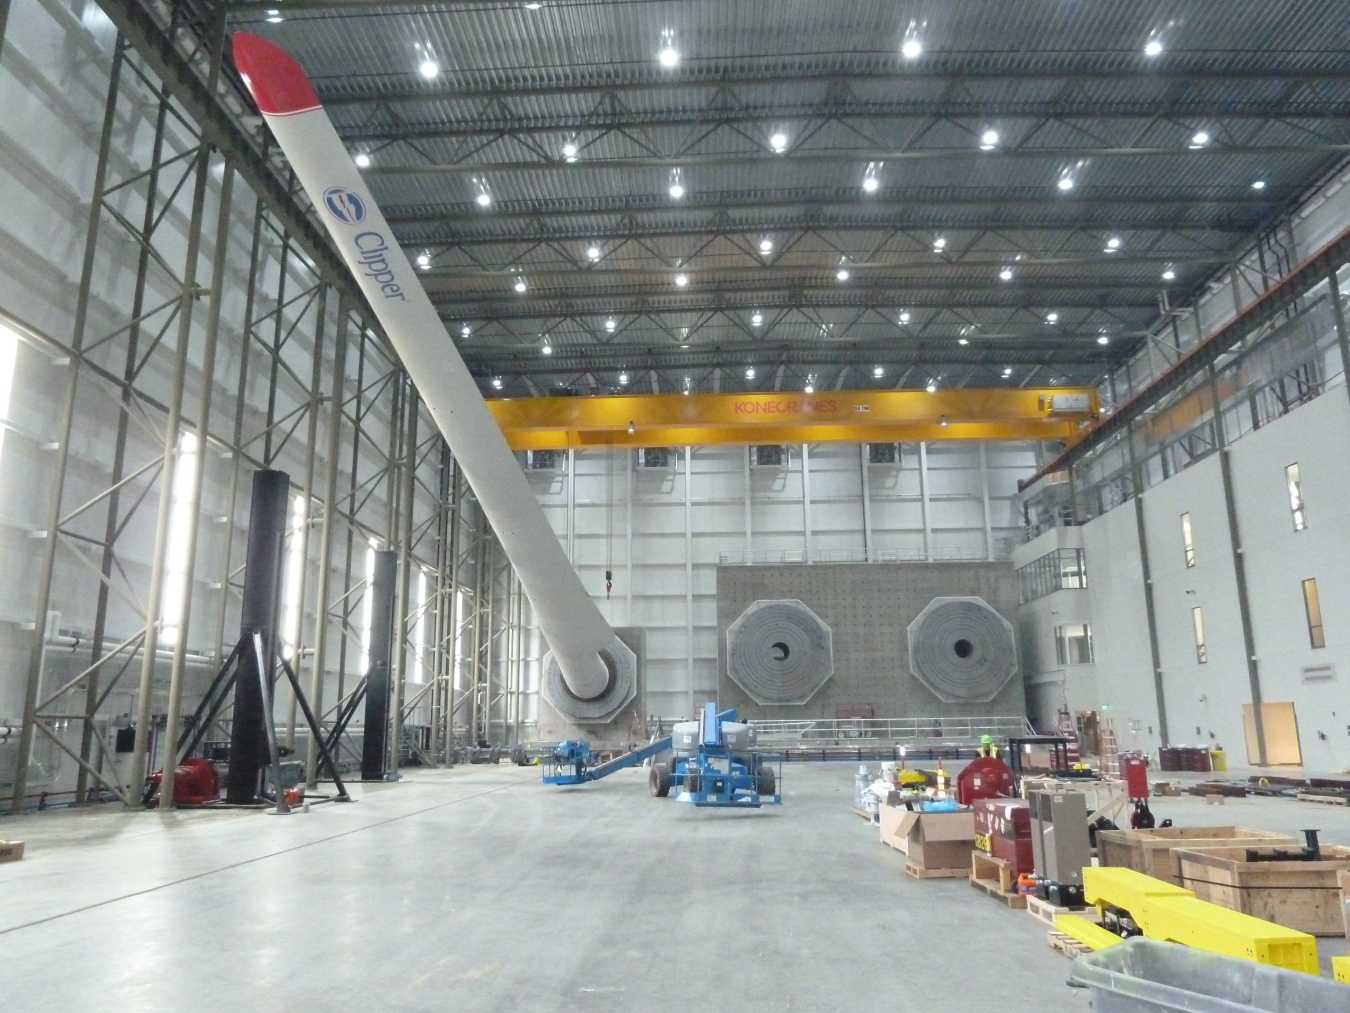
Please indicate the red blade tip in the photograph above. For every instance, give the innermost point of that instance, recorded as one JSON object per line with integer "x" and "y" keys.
{"x": 275, "y": 80}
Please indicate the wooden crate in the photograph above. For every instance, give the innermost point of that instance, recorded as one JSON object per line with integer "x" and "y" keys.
{"x": 1299, "y": 895}
{"x": 11, "y": 851}
{"x": 1150, "y": 851}
{"x": 1343, "y": 880}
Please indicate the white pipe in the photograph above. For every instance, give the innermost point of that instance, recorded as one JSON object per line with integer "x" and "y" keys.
{"x": 568, "y": 617}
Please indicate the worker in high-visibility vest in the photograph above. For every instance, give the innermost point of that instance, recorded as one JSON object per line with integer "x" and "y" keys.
{"x": 987, "y": 747}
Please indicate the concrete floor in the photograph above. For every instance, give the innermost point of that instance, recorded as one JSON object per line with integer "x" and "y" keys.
{"x": 481, "y": 889}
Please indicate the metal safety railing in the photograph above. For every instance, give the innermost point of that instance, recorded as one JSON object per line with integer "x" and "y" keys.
{"x": 897, "y": 730}
{"x": 938, "y": 554}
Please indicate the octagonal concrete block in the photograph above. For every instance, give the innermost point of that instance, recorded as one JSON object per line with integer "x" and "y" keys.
{"x": 780, "y": 652}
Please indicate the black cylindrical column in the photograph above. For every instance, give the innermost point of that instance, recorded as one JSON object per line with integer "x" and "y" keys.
{"x": 374, "y": 744}
{"x": 263, "y": 566}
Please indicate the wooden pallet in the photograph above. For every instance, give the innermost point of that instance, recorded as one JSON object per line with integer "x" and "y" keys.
{"x": 991, "y": 887}
{"x": 919, "y": 872}
{"x": 1304, "y": 796}
{"x": 1044, "y": 911}
{"x": 995, "y": 877}
{"x": 863, "y": 813}
{"x": 1066, "y": 945}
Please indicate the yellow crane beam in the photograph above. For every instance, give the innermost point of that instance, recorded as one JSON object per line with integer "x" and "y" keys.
{"x": 854, "y": 416}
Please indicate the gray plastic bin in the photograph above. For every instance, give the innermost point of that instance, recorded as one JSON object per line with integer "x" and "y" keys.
{"x": 1149, "y": 976}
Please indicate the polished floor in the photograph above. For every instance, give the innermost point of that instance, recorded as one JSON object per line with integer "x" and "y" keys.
{"x": 480, "y": 889}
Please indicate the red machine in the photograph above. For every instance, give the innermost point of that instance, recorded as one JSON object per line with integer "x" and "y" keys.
{"x": 984, "y": 777}
{"x": 195, "y": 782}
{"x": 1134, "y": 772}
{"x": 1003, "y": 829}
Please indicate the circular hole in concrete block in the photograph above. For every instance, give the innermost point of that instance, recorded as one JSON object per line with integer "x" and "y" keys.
{"x": 963, "y": 648}
{"x": 780, "y": 651}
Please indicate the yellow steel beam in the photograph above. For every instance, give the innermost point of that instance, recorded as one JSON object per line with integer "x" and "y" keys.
{"x": 1164, "y": 911}
{"x": 851, "y": 416}
{"x": 1076, "y": 927}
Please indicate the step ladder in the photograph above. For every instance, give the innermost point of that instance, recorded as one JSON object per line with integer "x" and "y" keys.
{"x": 1110, "y": 751}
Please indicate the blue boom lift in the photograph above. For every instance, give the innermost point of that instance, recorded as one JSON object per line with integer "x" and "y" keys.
{"x": 712, "y": 765}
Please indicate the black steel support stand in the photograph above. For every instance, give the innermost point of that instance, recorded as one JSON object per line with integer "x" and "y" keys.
{"x": 249, "y": 731}
{"x": 249, "y": 669}
{"x": 375, "y": 741}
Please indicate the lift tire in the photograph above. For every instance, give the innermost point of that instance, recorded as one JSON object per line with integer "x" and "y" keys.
{"x": 765, "y": 782}
{"x": 693, "y": 782}
{"x": 658, "y": 780}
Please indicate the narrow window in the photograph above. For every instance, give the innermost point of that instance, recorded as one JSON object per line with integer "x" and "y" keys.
{"x": 1291, "y": 480}
{"x": 1198, "y": 621}
{"x": 1187, "y": 540}
{"x": 181, "y": 520}
{"x": 1313, "y": 607}
{"x": 1073, "y": 644}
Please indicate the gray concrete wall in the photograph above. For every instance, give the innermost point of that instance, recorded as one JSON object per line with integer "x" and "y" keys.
{"x": 868, "y": 606}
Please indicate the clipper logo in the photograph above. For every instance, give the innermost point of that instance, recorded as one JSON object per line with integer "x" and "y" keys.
{"x": 374, "y": 254}
{"x": 344, "y": 205}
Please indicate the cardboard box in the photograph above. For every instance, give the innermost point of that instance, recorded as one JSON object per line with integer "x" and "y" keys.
{"x": 938, "y": 840}
{"x": 11, "y": 851}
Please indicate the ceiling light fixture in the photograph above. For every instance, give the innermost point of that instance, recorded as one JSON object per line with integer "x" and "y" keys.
{"x": 362, "y": 160}
{"x": 963, "y": 341}
{"x": 547, "y": 349}
{"x": 570, "y": 151}
{"x": 1103, "y": 340}
{"x": 878, "y": 371}
{"x": 593, "y": 253}
{"x": 989, "y": 140}
{"x": 1260, "y": 184}
{"x": 1153, "y": 47}
{"x": 1169, "y": 274}
{"x": 870, "y": 182}
{"x": 676, "y": 184}
{"x": 904, "y": 317}
{"x": 1199, "y": 139}
{"x": 912, "y": 47}
{"x": 424, "y": 260}
{"x": 681, "y": 280}
{"x": 1065, "y": 183}
{"x": 465, "y": 331}
{"x": 750, "y": 372}
{"x": 429, "y": 68}
{"x": 779, "y": 142}
{"x": 932, "y": 386}
{"x": 610, "y": 324}
{"x": 1006, "y": 274}
{"x": 497, "y": 382}
{"x": 669, "y": 56}
{"x": 939, "y": 244}
{"x": 274, "y": 17}
{"x": 756, "y": 318}
{"x": 1007, "y": 371}
{"x": 842, "y": 274}
{"x": 1052, "y": 318}
{"x": 520, "y": 285}
{"x": 810, "y": 387}
{"x": 484, "y": 199}
{"x": 766, "y": 245}
{"x": 623, "y": 378}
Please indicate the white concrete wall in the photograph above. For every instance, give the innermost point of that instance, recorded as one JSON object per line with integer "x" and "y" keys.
{"x": 1204, "y": 701}
{"x": 674, "y": 553}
